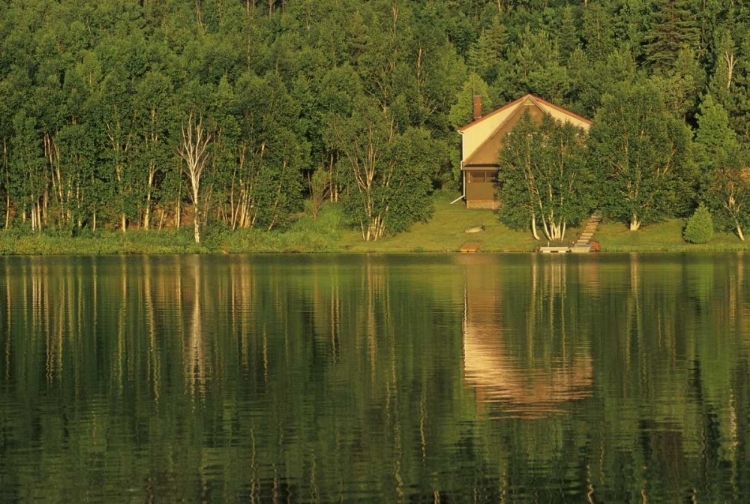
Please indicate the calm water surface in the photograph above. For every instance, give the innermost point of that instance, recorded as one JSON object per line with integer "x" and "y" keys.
{"x": 513, "y": 378}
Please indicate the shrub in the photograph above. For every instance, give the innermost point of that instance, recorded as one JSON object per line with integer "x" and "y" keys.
{"x": 700, "y": 227}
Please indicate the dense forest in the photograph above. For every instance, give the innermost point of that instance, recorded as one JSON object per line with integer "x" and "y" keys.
{"x": 151, "y": 114}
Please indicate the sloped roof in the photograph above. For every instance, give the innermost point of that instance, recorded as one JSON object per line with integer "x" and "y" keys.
{"x": 482, "y": 138}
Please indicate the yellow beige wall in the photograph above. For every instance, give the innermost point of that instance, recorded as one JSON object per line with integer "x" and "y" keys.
{"x": 475, "y": 134}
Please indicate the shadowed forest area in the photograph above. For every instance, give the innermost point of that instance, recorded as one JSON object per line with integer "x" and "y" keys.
{"x": 246, "y": 114}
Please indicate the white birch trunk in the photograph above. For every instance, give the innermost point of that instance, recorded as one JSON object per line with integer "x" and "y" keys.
{"x": 193, "y": 150}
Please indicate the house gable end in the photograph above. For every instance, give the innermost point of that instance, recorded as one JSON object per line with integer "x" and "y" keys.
{"x": 486, "y": 153}
{"x": 482, "y": 144}
{"x": 475, "y": 133}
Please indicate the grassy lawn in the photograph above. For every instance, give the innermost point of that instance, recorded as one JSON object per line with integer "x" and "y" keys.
{"x": 665, "y": 236}
{"x": 329, "y": 234}
{"x": 445, "y": 233}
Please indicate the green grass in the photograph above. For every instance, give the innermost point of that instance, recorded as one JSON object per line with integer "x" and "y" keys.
{"x": 445, "y": 233}
{"x": 662, "y": 237}
{"x": 330, "y": 234}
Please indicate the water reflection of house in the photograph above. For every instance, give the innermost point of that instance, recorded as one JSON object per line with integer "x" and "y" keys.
{"x": 506, "y": 376}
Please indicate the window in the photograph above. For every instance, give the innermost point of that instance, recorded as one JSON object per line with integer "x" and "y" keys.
{"x": 476, "y": 176}
{"x": 480, "y": 176}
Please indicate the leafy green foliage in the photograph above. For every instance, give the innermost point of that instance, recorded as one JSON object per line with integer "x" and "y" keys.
{"x": 722, "y": 160}
{"x": 700, "y": 227}
{"x": 102, "y": 89}
{"x": 544, "y": 178}
{"x": 643, "y": 156}
{"x": 384, "y": 173}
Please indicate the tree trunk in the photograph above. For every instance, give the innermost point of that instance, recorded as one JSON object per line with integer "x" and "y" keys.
{"x": 193, "y": 150}
{"x": 147, "y": 211}
{"x": 196, "y": 218}
{"x": 739, "y": 232}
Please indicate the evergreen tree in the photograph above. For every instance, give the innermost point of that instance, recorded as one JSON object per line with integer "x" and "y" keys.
{"x": 674, "y": 28}
{"x": 535, "y": 68}
{"x": 487, "y": 57}
{"x": 722, "y": 160}
{"x": 700, "y": 227}
{"x": 598, "y": 32}
{"x": 567, "y": 38}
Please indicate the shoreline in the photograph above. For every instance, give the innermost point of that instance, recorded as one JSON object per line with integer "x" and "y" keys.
{"x": 331, "y": 234}
{"x": 170, "y": 243}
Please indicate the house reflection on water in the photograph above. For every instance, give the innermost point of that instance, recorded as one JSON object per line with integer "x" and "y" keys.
{"x": 525, "y": 352}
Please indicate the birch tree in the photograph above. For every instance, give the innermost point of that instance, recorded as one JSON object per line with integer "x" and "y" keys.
{"x": 643, "y": 157}
{"x": 544, "y": 177}
{"x": 385, "y": 173}
{"x": 193, "y": 150}
{"x": 366, "y": 139}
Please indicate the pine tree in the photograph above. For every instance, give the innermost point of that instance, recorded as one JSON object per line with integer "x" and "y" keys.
{"x": 675, "y": 27}
{"x": 487, "y": 56}
{"x": 567, "y": 38}
{"x": 598, "y": 32}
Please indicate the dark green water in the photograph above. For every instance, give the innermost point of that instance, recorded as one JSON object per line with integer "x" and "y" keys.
{"x": 483, "y": 378}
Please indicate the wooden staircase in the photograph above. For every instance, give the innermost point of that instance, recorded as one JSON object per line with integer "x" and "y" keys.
{"x": 583, "y": 244}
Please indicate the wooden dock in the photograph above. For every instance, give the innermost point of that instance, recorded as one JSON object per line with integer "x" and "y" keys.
{"x": 554, "y": 250}
{"x": 470, "y": 247}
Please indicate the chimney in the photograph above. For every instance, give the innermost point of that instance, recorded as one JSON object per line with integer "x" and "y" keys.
{"x": 477, "y": 107}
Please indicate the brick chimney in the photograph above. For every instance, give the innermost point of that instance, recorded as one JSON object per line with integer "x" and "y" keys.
{"x": 477, "y": 107}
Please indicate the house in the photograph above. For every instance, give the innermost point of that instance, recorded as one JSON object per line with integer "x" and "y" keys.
{"x": 482, "y": 139}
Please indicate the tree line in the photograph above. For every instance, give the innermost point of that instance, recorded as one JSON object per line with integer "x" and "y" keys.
{"x": 245, "y": 113}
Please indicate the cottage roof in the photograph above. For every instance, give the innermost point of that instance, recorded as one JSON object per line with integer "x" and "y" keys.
{"x": 482, "y": 138}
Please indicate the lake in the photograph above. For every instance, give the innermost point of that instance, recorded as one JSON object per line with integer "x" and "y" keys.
{"x": 345, "y": 378}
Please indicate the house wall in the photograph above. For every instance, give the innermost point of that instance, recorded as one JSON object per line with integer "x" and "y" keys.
{"x": 481, "y": 187}
{"x": 487, "y": 153}
{"x": 475, "y": 134}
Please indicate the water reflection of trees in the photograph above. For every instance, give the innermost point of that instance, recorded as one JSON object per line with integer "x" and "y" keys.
{"x": 420, "y": 378}
{"x": 262, "y": 380}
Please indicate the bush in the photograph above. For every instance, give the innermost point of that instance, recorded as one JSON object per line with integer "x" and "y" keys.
{"x": 700, "y": 227}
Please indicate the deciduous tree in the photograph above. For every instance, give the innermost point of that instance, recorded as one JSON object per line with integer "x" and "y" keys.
{"x": 544, "y": 179}
{"x": 193, "y": 150}
{"x": 385, "y": 173}
{"x": 643, "y": 154}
